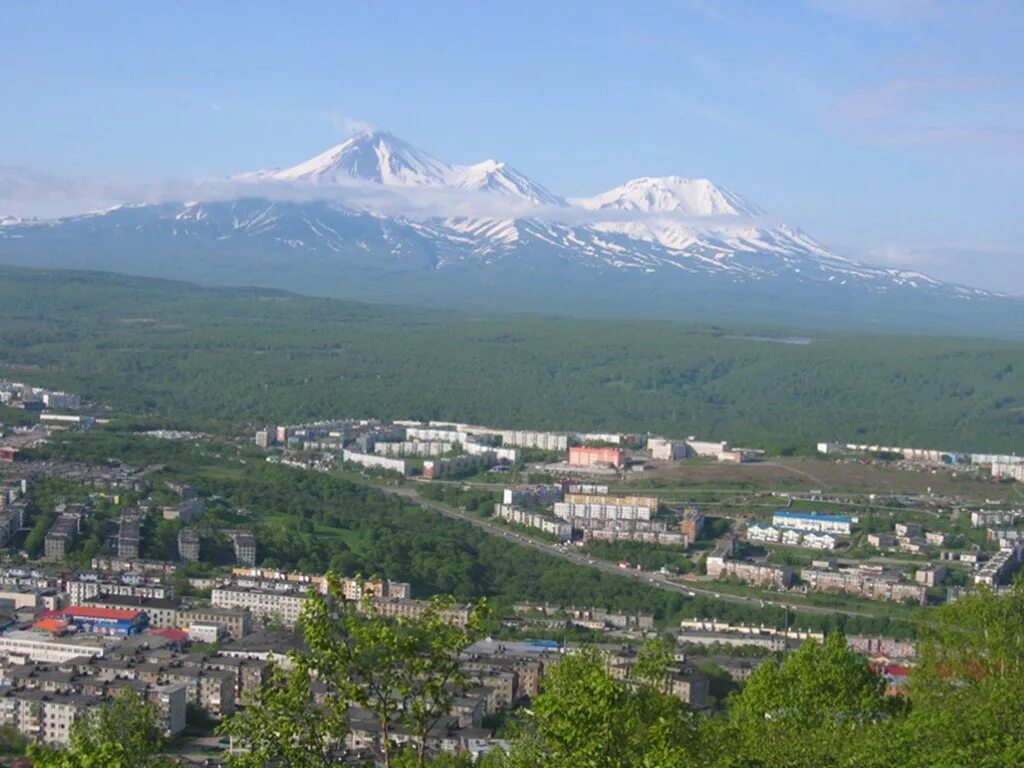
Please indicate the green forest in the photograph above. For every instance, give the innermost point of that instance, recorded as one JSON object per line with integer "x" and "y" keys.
{"x": 191, "y": 355}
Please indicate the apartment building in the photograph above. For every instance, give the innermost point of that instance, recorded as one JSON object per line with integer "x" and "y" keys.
{"x": 237, "y": 623}
{"x": 584, "y": 456}
{"x": 244, "y": 544}
{"x": 841, "y": 525}
{"x": 559, "y": 528}
{"x": 373, "y": 461}
{"x": 529, "y": 496}
{"x": 265, "y": 605}
{"x": 873, "y": 585}
{"x": 692, "y": 525}
{"x": 571, "y": 511}
{"x": 129, "y": 535}
{"x": 772, "y": 576}
{"x": 188, "y": 545}
{"x": 545, "y": 441}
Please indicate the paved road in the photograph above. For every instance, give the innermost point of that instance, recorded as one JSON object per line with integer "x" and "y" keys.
{"x": 651, "y": 579}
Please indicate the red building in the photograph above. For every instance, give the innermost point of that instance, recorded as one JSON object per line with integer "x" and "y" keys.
{"x": 582, "y": 456}
{"x": 8, "y": 454}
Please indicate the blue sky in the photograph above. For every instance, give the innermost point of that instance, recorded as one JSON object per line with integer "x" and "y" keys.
{"x": 891, "y": 129}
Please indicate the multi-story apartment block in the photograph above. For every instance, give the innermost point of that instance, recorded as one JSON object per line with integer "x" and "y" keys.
{"x": 584, "y": 456}
{"x": 237, "y": 623}
{"x": 162, "y": 613}
{"x": 835, "y": 524}
{"x": 529, "y": 496}
{"x": 80, "y": 590}
{"x": 64, "y": 531}
{"x": 42, "y": 716}
{"x": 778, "y": 577}
{"x": 874, "y": 585}
{"x": 414, "y": 448}
{"x": 546, "y": 441}
{"x": 188, "y": 545}
{"x": 437, "y": 468}
{"x": 373, "y": 461}
{"x": 994, "y": 517}
{"x": 244, "y": 544}
{"x": 129, "y": 535}
{"x": 665, "y": 538}
{"x": 604, "y": 507}
{"x": 1000, "y": 567}
{"x": 458, "y": 614}
{"x": 265, "y": 605}
{"x": 692, "y": 525}
{"x": 555, "y": 527}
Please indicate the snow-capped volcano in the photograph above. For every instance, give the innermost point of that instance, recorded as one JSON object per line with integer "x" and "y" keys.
{"x": 380, "y": 158}
{"x": 671, "y": 194}
{"x": 459, "y": 234}
{"x": 374, "y": 156}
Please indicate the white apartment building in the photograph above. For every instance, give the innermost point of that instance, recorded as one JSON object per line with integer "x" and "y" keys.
{"x": 557, "y": 528}
{"x": 264, "y": 604}
{"x": 26, "y": 644}
{"x": 570, "y": 510}
{"x": 372, "y": 461}
{"x": 547, "y": 441}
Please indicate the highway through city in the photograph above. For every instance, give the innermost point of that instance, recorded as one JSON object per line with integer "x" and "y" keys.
{"x": 652, "y": 579}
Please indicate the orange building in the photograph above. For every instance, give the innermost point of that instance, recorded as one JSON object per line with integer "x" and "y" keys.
{"x": 582, "y": 456}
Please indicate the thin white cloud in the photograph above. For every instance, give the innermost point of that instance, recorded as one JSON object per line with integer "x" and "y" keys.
{"x": 28, "y": 193}
{"x": 931, "y": 112}
{"x": 348, "y": 125}
{"x": 878, "y": 11}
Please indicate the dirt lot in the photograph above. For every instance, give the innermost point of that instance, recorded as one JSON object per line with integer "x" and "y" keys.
{"x": 805, "y": 474}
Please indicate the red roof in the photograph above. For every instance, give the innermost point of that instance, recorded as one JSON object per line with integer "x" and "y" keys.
{"x": 175, "y": 635}
{"x": 52, "y": 625}
{"x": 111, "y": 614}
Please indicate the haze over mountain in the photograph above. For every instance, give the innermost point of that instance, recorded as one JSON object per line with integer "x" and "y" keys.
{"x": 376, "y": 218}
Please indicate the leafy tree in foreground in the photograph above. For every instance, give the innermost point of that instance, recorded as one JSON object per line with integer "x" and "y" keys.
{"x": 585, "y": 718}
{"x": 285, "y": 726}
{"x": 403, "y": 671}
{"x": 805, "y": 712}
{"x": 123, "y": 733}
{"x": 967, "y": 689}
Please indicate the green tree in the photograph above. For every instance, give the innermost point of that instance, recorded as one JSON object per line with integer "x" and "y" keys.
{"x": 123, "y": 733}
{"x": 806, "y": 711}
{"x": 404, "y": 671}
{"x": 967, "y": 688}
{"x": 585, "y": 718}
{"x": 284, "y": 725}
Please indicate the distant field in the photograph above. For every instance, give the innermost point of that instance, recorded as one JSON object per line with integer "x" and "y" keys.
{"x": 804, "y": 474}
{"x": 190, "y": 355}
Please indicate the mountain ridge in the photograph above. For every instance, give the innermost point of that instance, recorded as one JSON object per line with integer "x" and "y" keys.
{"x": 378, "y": 218}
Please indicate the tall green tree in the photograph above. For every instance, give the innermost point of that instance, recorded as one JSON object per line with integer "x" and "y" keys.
{"x": 586, "y": 718}
{"x": 123, "y": 733}
{"x": 967, "y": 688}
{"x": 285, "y": 725}
{"x": 805, "y": 712}
{"x": 404, "y": 671}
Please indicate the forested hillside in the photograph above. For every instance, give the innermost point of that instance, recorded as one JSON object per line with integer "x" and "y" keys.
{"x": 237, "y": 356}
